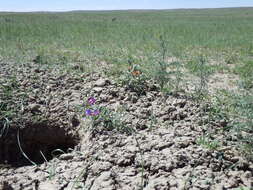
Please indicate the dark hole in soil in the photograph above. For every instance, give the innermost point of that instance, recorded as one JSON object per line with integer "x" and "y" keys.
{"x": 34, "y": 139}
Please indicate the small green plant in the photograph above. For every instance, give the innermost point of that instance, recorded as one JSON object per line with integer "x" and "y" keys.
{"x": 203, "y": 72}
{"x": 53, "y": 165}
{"x": 233, "y": 114}
{"x": 52, "y": 169}
{"x": 250, "y": 49}
{"x": 153, "y": 120}
{"x": 77, "y": 183}
{"x": 134, "y": 79}
{"x": 245, "y": 72}
{"x": 242, "y": 123}
{"x": 41, "y": 59}
{"x": 219, "y": 108}
{"x": 176, "y": 75}
{"x": 47, "y": 57}
{"x": 161, "y": 75}
{"x": 166, "y": 74}
{"x": 231, "y": 58}
{"x": 206, "y": 142}
{"x": 104, "y": 118}
{"x": 7, "y": 101}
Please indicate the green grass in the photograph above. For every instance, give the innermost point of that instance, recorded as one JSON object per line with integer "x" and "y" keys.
{"x": 245, "y": 72}
{"x": 216, "y": 31}
{"x": 8, "y": 104}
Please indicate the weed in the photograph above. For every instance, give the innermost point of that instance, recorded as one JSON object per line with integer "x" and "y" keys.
{"x": 232, "y": 57}
{"x": 245, "y": 72}
{"x": 235, "y": 113}
{"x": 167, "y": 75}
{"x": 250, "y": 50}
{"x": 219, "y": 108}
{"x": 41, "y": 59}
{"x": 78, "y": 179}
{"x": 161, "y": 75}
{"x": 104, "y": 118}
{"x": 52, "y": 169}
{"x": 134, "y": 79}
{"x": 242, "y": 124}
{"x": 153, "y": 120}
{"x": 203, "y": 72}
{"x": 163, "y": 46}
{"x": 52, "y": 166}
{"x": 176, "y": 75}
{"x": 206, "y": 142}
{"x": 7, "y": 109}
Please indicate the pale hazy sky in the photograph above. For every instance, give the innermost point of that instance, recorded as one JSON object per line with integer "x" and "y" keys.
{"x": 65, "y": 5}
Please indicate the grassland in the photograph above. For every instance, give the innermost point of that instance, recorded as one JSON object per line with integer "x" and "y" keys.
{"x": 204, "y": 55}
{"x": 218, "y": 32}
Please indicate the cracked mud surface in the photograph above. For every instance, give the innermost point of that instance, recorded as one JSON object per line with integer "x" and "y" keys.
{"x": 161, "y": 153}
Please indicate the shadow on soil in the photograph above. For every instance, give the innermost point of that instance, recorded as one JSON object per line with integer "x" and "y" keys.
{"x": 37, "y": 141}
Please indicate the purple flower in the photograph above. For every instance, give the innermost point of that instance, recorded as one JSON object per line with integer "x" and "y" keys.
{"x": 91, "y": 100}
{"x": 88, "y": 112}
{"x": 96, "y": 112}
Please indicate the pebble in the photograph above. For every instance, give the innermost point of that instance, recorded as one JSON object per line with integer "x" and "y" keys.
{"x": 101, "y": 82}
{"x": 66, "y": 157}
{"x": 98, "y": 89}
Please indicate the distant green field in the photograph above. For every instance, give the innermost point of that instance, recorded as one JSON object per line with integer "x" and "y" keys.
{"x": 120, "y": 33}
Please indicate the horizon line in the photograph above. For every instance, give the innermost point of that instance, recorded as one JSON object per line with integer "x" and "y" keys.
{"x": 98, "y": 10}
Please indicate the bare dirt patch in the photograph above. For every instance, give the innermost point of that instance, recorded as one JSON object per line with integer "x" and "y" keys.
{"x": 161, "y": 153}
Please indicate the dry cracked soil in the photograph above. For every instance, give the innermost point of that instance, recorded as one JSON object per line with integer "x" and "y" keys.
{"x": 48, "y": 144}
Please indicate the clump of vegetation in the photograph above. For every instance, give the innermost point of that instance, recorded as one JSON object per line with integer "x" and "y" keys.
{"x": 102, "y": 118}
{"x": 233, "y": 114}
{"x": 166, "y": 74}
{"x": 202, "y": 71}
{"x": 207, "y": 142}
{"x": 242, "y": 122}
{"x": 134, "y": 78}
{"x": 161, "y": 74}
{"x": 245, "y": 72}
{"x": 40, "y": 59}
{"x": 11, "y": 103}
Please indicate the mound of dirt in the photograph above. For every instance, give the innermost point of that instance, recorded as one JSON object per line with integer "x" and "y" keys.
{"x": 160, "y": 153}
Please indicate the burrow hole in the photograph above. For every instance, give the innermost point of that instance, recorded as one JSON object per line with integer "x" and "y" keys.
{"x": 35, "y": 140}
